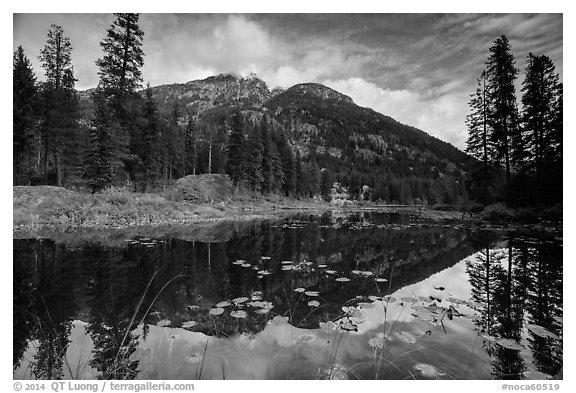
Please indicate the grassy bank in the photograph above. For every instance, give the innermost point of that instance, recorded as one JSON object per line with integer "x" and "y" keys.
{"x": 55, "y": 207}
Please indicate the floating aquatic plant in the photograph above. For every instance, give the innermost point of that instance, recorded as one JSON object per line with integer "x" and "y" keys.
{"x": 240, "y": 300}
{"x": 223, "y": 304}
{"x": 328, "y": 326}
{"x": 509, "y": 343}
{"x": 330, "y": 271}
{"x": 189, "y": 324}
{"x": 342, "y": 279}
{"x": 406, "y": 337}
{"x": 216, "y": 311}
{"x": 376, "y": 342}
{"x": 238, "y": 314}
{"x": 541, "y": 331}
{"x": 246, "y": 265}
{"x": 380, "y": 279}
{"x": 299, "y": 290}
{"x": 279, "y": 320}
{"x": 427, "y": 370}
{"x": 311, "y": 293}
{"x": 314, "y": 303}
{"x": 164, "y": 323}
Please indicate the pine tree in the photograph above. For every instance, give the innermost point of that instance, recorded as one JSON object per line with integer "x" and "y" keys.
{"x": 119, "y": 68}
{"x": 59, "y": 104}
{"x": 479, "y": 139}
{"x": 100, "y": 163}
{"x": 190, "y": 151}
{"x": 288, "y": 167}
{"x": 507, "y": 137}
{"x": 235, "y": 148}
{"x": 326, "y": 182}
{"x": 149, "y": 154}
{"x": 541, "y": 93}
{"x": 24, "y": 103}
{"x": 301, "y": 180}
{"x": 120, "y": 77}
{"x": 253, "y": 160}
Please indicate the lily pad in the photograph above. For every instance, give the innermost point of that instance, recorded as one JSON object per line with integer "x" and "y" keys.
{"x": 223, "y": 304}
{"x": 189, "y": 324}
{"x": 279, "y": 320}
{"x": 456, "y": 300}
{"x": 164, "y": 323}
{"x": 287, "y": 267}
{"x": 376, "y": 342}
{"x": 238, "y": 314}
{"x": 508, "y": 343}
{"x": 265, "y": 258}
{"x": 406, "y": 337}
{"x": 428, "y": 371}
{"x": 216, "y": 311}
{"x": 262, "y": 311}
{"x": 286, "y": 262}
{"x": 356, "y": 272}
{"x": 314, "y": 303}
{"x": 328, "y": 326}
{"x": 342, "y": 279}
{"x": 299, "y": 290}
{"x": 330, "y": 271}
{"x": 322, "y": 266}
{"x": 367, "y": 273}
{"x": 240, "y": 300}
{"x": 239, "y": 262}
{"x": 541, "y": 331}
{"x": 311, "y": 293}
{"x": 246, "y": 265}
{"x": 380, "y": 279}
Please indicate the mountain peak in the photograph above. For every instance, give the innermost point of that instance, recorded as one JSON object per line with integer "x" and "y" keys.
{"x": 321, "y": 91}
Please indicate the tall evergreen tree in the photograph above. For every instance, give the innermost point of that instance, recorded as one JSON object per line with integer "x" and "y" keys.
{"x": 288, "y": 167}
{"x": 120, "y": 77}
{"x": 149, "y": 153}
{"x": 119, "y": 68}
{"x": 24, "y": 100}
{"x": 253, "y": 160}
{"x": 100, "y": 166}
{"x": 478, "y": 143}
{"x": 507, "y": 137}
{"x": 59, "y": 104}
{"x": 235, "y": 148}
{"x": 541, "y": 93}
{"x": 190, "y": 150}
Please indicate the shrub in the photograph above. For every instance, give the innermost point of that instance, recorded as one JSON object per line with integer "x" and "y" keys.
{"x": 498, "y": 212}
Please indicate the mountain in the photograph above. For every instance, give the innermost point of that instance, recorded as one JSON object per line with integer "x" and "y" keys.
{"x": 357, "y": 145}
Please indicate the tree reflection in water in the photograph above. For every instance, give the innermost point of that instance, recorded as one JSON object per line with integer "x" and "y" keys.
{"x": 518, "y": 281}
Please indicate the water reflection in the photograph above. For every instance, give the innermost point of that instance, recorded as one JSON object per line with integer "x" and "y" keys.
{"x": 143, "y": 310}
{"x": 518, "y": 281}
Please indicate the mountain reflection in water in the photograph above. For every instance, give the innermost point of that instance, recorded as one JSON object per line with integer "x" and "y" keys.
{"x": 358, "y": 297}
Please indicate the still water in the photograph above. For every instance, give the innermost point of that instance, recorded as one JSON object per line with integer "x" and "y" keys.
{"x": 364, "y": 296}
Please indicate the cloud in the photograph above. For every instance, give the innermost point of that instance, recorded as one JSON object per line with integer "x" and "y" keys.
{"x": 441, "y": 116}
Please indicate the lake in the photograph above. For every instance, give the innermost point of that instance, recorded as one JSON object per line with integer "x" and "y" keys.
{"x": 359, "y": 296}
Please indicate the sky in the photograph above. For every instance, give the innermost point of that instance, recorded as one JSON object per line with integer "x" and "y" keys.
{"x": 417, "y": 68}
